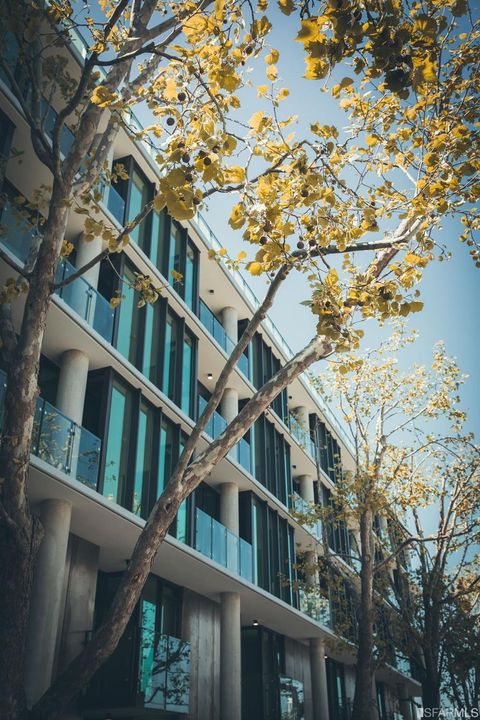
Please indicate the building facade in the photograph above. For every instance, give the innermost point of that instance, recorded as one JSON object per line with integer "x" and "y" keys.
{"x": 222, "y": 629}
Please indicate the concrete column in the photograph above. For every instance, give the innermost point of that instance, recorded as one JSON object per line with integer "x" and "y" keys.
{"x": 312, "y": 571}
{"x": 319, "y": 679}
{"x": 229, "y": 506}
{"x": 405, "y": 702}
{"x": 302, "y": 415}
{"x": 86, "y": 251}
{"x": 72, "y": 384}
{"x": 305, "y": 483}
{"x": 230, "y": 657}
{"x": 230, "y": 404}
{"x": 230, "y": 322}
{"x": 46, "y": 598}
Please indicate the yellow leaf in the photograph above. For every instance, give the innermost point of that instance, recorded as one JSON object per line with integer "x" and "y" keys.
{"x": 272, "y": 72}
{"x": 103, "y": 97}
{"x": 170, "y": 92}
{"x": 309, "y": 31}
{"x": 255, "y": 268}
{"x": 237, "y": 216}
{"x": 286, "y": 6}
{"x": 371, "y": 140}
{"x": 234, "y": 174}
{"x": 272, "y": 57}
{"x": 282, "y": 94}
{"x": 261, "y": 90}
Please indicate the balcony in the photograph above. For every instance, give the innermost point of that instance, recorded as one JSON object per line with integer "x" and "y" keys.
{"x": 217, "y": 331}
{"x": 221, "y": 545}
{"x": 86, "y": 301}
{"x": 315, "y": 606}
{"x": 301, "y": 435}
{"x": 116, "y": 204}
{"x": 306, "y": 515}
{"x": 17, "y": 229}
{"x": 60, "y": 442}
{"x": 216, "y": 425}
{"x": 148, "y": 674}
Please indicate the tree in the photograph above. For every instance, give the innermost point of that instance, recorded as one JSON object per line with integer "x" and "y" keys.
{"x": 461, "y": 683}
{"x": 182, "y": 64}
{"x": 403, "y": 464}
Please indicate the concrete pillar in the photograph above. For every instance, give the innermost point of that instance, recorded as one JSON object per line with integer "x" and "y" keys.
{"x": 230, "y": 404}
{"x": 86, "y": 251}
{"x": 230, "y": 657}
{"x": 405, "y": 702}
{"x": 229, "y": 506}
{"x": 302, "y": 415}
{"x": 319, "y": 679}
{"x": 46, "y": 598}
{"x": 230, "y": 322}
{"x": 72, "y": 384}
{"x": 312, "y": 569}
{"x": 305, "y": 483}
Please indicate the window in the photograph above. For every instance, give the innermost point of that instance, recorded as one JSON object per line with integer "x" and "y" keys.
{"x": 141, "y": 444}
{"x": 273, "y": 543}
{"x": 337, "y": 701}
{"x": 265, "y": 365}
{"x": 117, "y": 443}
{"x": 328, "y": 451}
{"x": 140, "y": 192}
{"x": 179, "y": 364}
{"x": 129, "y": 318}
{"x": 272, "y": 460}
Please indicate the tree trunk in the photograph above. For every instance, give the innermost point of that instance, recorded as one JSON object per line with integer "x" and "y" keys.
{"x": 20, "y": 533}
{"x": 362, "y": 701}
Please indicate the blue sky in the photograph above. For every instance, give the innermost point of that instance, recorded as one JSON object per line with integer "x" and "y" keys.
{"x": 450, "y": 290}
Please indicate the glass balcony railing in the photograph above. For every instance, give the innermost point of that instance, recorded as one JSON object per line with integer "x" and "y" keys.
{"x": 216, "y": 424}
{"x": 308, "y": 519}
{"x": 291, "y": 699}
{"x": 301, "y": 435}
{"x": 244, "y": 455}
{"x": 116, "y": 204}
{"x": 164, "y": 672}
{"x": 316, "y": 607}
{"x": 60, "y": 442}
{"x": 217, "y": 331}
{"x": 221, "y": 545}
{"x": 16, "y": 230}
{"x": 86, "y": 301}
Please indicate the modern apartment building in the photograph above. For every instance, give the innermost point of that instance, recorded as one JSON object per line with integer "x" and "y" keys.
{"x": 222, "y": 630}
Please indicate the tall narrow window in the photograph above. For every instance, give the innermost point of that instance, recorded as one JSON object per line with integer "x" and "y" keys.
{"x": 128, "y": 328}
{"x": 143, "y": 460}
{"x": 151, "y": 344}
{"x": 189, "y": 281}
{"x": 165, "y": 455}
{"x": 138, "y": 198}
{"x": 187, "y": 375}
{"x": 118, "y": 441}
{"x": 170, "y": 356}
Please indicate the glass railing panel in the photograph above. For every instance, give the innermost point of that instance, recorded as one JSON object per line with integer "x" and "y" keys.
{"x": 60, "y": 442}
{"x": 164, "y": 672}
{"x": 316, "y": 607}
{"x": 301, "y": 435}
{"x": 245, "y": 554}
{"x": 86, "y": 301}
{"x": 219, "y": 543}
{"x": 244, "y": 453}
{"x": 244, "y": 366}
{"x": 3, "y": 390}
{"x": 86, "y": 456}
{"x": 232, "y": 559}
{"x": 53, "y": 439}
{"x": 216, "y": 424}
{"x": 291, "y": 699}
{"x": 116, "y": 204}
{"x": 16, "y": 230}
{"x": 203, "y": 533}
